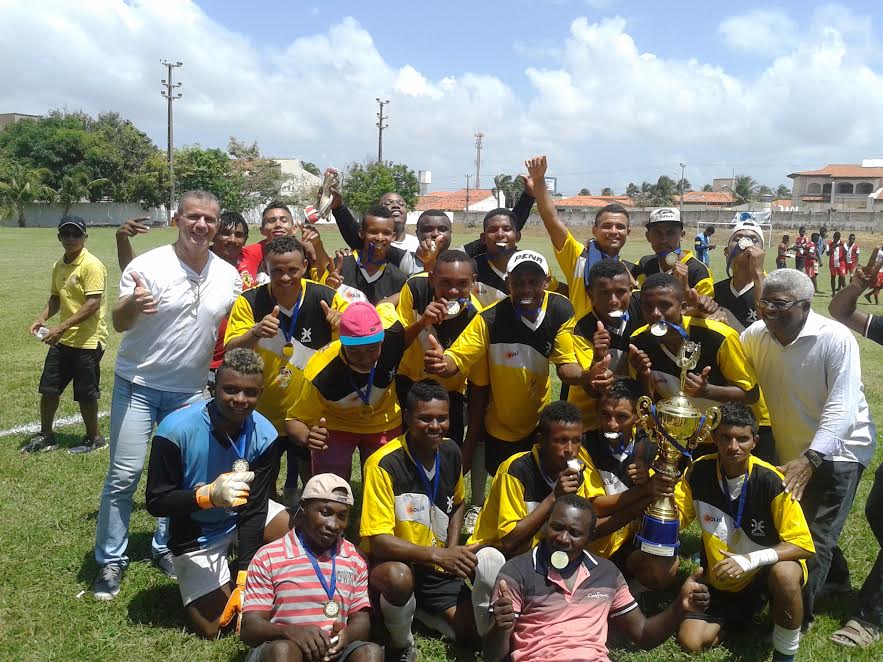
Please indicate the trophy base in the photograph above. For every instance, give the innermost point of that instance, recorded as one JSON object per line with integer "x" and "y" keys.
{"x": 658, "y": 537}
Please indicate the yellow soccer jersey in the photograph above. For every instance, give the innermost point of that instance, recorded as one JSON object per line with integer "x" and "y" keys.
{"x": 698, "y": 275}
{"x": 72, "y": 283}
{"x": 330, "y": 389}
{"x": 519, "y": 486}
{"x": 396, "y": 499}
{"x": 721, "y": 350}
{"x": 308, "y": 333}
{"x": 769, "y": 515}
{"x": 415, "y": 296}
{"x": 517, "y": 353}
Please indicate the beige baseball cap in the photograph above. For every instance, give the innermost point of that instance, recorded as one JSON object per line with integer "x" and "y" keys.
{"x": 329, "y": 487}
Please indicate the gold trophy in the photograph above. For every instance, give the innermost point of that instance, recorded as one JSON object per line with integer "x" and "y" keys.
{"x": 677, "y": 427}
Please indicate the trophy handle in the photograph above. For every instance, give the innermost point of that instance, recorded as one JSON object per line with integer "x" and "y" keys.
{"x": 645, "y": 417}
{"x": 712, "y": 420}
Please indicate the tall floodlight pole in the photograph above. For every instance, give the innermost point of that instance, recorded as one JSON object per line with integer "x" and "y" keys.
{"x": 478, "y": 137}
{"x": 380, "y": 127}
{"x": 170, "y": 95}
{"x": 681, "y": 203}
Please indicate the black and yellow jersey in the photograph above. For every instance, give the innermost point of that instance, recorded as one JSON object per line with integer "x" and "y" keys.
{"x": 721, "y": 350}
{"x": 396, "y": 499}
{"x": 741, "y": 305}
{"x": 492, "y": 285}
{"x": 573, "y": 259}
{"x": 310, "y": 334}
{"x": 581, "y": 331}
{"x": 769, "y": 515}
{"x": 330, "y": 389}
{"x": 358, "y": 285}
{"x": 517, "y": 353}
{"x": 519, "y": 486}
{"x": 416, "y": 295}
{"x": 698, "y": 275}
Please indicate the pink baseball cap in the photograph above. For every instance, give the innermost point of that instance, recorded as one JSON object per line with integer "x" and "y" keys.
{"x": 360, "y": 324}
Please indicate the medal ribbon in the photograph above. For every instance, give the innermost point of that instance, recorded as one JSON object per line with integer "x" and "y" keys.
{"x": 674, "y": 442}
{"x": 682, "y": 332}
{"x": 329, "y": 590}
{"x": 742, "y": 498}
{"x": 239, "y": 445}
{"x": 430, "y": 490}
{"x": 365, "y": 396}
{"x": 595, "y": 255}
{"x": 369, "y": 260}
{"x": 289, "y": 332}
{"x": 661, "y": 257}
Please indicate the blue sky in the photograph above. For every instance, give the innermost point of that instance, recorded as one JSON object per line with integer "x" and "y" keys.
{"x": 613, "y": 91}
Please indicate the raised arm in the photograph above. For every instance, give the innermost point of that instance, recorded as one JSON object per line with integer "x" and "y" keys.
{"x": 536, "y": 169}
{"x": 842, "y": 306}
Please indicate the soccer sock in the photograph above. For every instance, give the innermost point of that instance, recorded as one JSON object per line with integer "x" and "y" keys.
{"x": 490, "y": 560}
{"x": 479, "y": 474}
{"x": 785, "y": 643}
{"x": 291, "y": 474}
{"x": 398, "y": 621}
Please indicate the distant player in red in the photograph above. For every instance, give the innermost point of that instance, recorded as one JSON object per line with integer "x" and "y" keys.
{"x": 811, "y": 259}
{"x": 851, "y": 253}
{"x": 782, "y": 255}
{"x": 837, "y": 263}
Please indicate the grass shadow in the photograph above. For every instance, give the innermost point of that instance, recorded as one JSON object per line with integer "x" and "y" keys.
{"x": 158, "y": 606}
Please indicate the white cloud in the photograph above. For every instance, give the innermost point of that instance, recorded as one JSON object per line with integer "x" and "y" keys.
{"x": 759, "y": 32}
{"x": 606, "y": 111}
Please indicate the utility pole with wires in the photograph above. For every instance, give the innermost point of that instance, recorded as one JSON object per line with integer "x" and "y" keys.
{"x": 681, "y": 202}
{"x": 170, "y": 95}
{"x": 478, "y": 137}
{"x": 467, "y": 191}
{"x": 380, "y": 127}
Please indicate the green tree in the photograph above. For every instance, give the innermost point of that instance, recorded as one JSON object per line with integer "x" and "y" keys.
{"x": 364, "y": 184}
{"x": 584, "y": 191}
{"x": 707, "y": 188}
{"x": 763, "y": 189}
{"x": 632, "y": 190}
{"x": 150, "y": 185}
{"x": 607, "y": 191}
{"x": 260, "y": 179}
{"x": 20, "y": 184}
{"x": 783, "y": 192}
{"x": 504, "y": 183}
{"x": 744, "y": 189}
{"x": 75, "y": 186}
{"x": 209, "y": 170}
{"x": 311, "y": 168}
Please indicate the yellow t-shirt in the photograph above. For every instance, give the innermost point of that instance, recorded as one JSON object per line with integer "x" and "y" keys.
{"x": 72, "y": 283}
{"x": 517, "y": 353}
{"x": 769, "y": 515}
{"x": 519, "y": 486}
{"x": 311, "y": 333}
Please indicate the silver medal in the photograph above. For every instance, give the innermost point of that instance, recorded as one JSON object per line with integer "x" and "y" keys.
{"x": 559, "y": 560}
{"x": 502, "y": 244}
{"x": 240, "y": 465}
{"x": 659, "y": 328}
{"x": 671, "y": 259}
{"x": 575, "y": 464}
{"x": 611, "y": 435}
{"x": 745, "y": 242}
{"x": 616, "y": 314}
{"x": 452, "y": 309}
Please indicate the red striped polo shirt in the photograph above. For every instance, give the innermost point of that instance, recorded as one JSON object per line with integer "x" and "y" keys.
{"x": 555, "y": 623}
{"x": 282, "y": 580}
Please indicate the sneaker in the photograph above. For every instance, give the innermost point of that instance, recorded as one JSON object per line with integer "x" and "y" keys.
{"x": 165, "y": 563}
{"x": 40, "y": 443}
{"x": 107, "y": 583}
{"x": 408, "y": 654}
{"x": 471, "y": 519}
{"x": 96, "y": 444}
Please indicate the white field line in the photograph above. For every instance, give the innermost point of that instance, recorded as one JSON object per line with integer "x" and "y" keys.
{"x": 31, "y": 428}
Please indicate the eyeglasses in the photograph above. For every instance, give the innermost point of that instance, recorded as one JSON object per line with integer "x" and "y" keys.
{"x": 779, "y": 305}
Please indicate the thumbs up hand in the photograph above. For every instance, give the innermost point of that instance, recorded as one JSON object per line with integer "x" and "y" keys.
{"x": 434, "y": 358}
{"x": 317, "y": 440}
{"x": 601, "y": 340}
{"x": 332, "y": 316}
{"x": 694, "y": 596}
{"x": 142, "y": 296}
{"x": 268, "y": 327}
{"x": 599, "y": 377}
{"x": 504, "y": 613}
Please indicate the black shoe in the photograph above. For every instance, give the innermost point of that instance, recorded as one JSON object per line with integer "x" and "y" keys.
{"x": 107, "y": 582}
{"x": 95, "y": 444}
{"x": 408, "y": 654}
{"x": 40, "y": 443}
{"x": 166, "y": 564}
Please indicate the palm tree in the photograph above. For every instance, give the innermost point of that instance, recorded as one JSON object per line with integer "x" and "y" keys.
{"x": 744, "y": 189}
{"x": 707, "y": 188}
{"x": 783, "y": 192}
{"x": 75, "y": 186}
{"x": 607, "y": 191}
{"x": 19, "y": 185}
{"x": 503, "y": 184}
{"x": 584, "y": 191}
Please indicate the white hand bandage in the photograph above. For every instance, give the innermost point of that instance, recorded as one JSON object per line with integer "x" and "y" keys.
{"x": 227, "y": 491}
{"x": 756, "y": 559}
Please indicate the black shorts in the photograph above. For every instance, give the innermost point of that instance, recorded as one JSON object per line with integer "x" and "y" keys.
{"x": 261, "y": 652}
{"x": 497, "y": 451}
{"x": 64, "y": 364}
{"x": 734, "y": 611}
{"x": 435, "y": 592}
{"x": 621, "y": 555}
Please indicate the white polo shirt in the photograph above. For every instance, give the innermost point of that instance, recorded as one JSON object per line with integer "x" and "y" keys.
{"x": 814, "y": 390}
{"x": 171, "y": 350}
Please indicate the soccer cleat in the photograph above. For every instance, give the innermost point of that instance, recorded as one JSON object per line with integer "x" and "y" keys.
{"x": 408, "y": 654}
{"x": 107, "y": 582}
{"x": 96, "y": 444}
{"x": 40, "y": 443}
{"x": 165, "y": 563}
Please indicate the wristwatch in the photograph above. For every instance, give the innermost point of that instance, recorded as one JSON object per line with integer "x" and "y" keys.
{"x": 815, "y": 458}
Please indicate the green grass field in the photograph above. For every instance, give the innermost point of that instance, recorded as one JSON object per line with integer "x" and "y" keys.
{"x": 49, "y": 504}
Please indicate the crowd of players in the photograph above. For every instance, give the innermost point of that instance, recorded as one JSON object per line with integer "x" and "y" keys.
{"x": 432, "y": 358}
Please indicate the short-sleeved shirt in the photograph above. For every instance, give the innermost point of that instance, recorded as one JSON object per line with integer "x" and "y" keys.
{"x": 517, "y": 352}
{"x": 310, "y": 334}
{"x": 330, "y": 389}
{"x": 251, "y": 259}
{"x": 492, "y": 284}
{"x": 520, "y": 486}
{"x": 874, "y": 329}
{"x": 171, "y": 349}
{"x": 282, "y": 581}
{"x": 721, "y": 350}
{"x": 698, "y": 275}
{"x": 850, "y": 255}
{"x": 416, "y": 295}
{"x": 573, "y": 259}
{"x": 72, "y": 282}
{"x": 359, "y": 285}
{"x": 701, "y": 245}
{"x": 769, "y": 515}
{"x": 836, "y": 255}
{"x": 555, "y": 623}
{"x": 740, "y": 304}
{"x": 581, "y": 331}
{"x": 396, "y": 499}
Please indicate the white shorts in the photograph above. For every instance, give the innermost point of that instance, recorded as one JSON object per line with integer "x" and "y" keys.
{"x": 204, "y": 570}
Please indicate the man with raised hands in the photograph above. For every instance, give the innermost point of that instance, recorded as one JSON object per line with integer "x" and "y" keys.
{"x": 211, "y": 472}
{"x": 171, "y": 302}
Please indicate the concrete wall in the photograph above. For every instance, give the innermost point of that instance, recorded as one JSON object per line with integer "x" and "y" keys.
{"x": 94, "y": 213}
